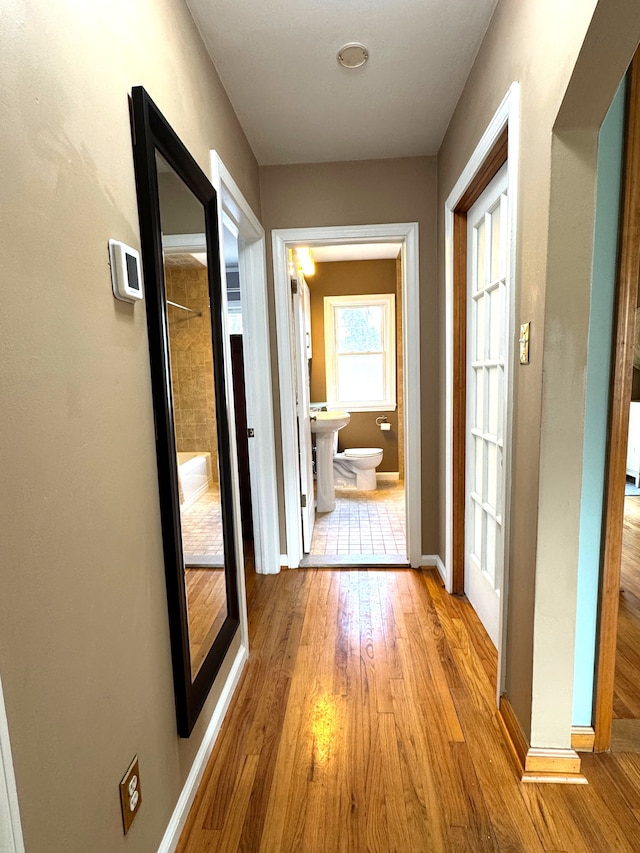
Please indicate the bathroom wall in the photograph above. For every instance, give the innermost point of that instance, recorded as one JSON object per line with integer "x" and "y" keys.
{"x": 352, "y": 278}
{"x": 85, "y": 655}
{"x": 191, "y": 352}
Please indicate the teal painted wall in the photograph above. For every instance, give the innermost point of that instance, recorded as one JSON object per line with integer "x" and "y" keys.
{"x": 610, "y": 151}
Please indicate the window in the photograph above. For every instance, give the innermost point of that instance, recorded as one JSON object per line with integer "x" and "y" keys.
{"x": 234, "y": 303}
{"x": 360, "y": 357}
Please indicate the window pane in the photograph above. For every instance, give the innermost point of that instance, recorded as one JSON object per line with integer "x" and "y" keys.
{"x": 360, "y": 329}
{"x": 493, "y": 400}
{"x": 361, "y": 378}
{"x": 480, "y": 241}
{"x": 479, "y": 464}
{"x": 492, "y": 476}
{"x": 496, "y": 321}
{"x": 479, "y": 327}
{"x": 477, "y": 531}
{"x": 496, "y": 243}
{"x": 479, "y": 395}
{"x": 490, "y": 564}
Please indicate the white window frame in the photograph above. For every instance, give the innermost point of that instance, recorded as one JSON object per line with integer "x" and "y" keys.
{"x": 387, "y": 302}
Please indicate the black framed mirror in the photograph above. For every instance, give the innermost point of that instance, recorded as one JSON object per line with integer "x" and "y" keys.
{"x": 178, "y": 215}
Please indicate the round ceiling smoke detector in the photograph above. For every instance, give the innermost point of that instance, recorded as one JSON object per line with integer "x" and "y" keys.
{"x": 353, "y": 55}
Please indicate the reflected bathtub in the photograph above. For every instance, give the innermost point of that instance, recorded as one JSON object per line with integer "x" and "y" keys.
{"x": 194, "y": 475}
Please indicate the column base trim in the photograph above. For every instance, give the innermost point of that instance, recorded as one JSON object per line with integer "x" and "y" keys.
{"x": 583, "y": 738}
{"x": 537, "y": 764}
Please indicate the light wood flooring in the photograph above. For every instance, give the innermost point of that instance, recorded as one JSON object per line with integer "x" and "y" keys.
{"x": 365, "y": 721}
{"x": 206, "y": 610}
{"x": 626, "y": 702}
{"x": 626, "y": 697}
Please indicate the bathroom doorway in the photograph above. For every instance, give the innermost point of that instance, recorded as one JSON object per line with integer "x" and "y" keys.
{"x": 355, "y": 365}
{"x": 360, "y": 328}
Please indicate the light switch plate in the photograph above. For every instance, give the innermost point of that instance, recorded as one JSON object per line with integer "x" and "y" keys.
{"x": 525, "y": 332}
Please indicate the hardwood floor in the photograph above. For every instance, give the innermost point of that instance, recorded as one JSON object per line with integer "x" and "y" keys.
{"x": 626, "y": 697}
{"x": 365, "y": 721}
{"x": 625, "y": 730}
{"x": 207, "y": 610}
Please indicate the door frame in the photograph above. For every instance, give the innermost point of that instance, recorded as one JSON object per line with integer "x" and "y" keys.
{"x": 621, "y": 382}
{"x": 405, "y": 233}
{"x": 500, "y": 143}
{"x": 11, "y": 838}
{"x": 300, "y": 302}
{"x": 257, "y": 364}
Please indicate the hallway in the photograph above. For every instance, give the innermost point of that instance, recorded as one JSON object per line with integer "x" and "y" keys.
{"x": 365, "y": 720}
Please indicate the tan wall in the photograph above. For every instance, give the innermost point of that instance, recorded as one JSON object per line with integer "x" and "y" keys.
{"x": 362, "y": 193}
{"x": 352, "y": 278}
{"x": 191, "y": 352}
{"x": 84, "y": 641}
{"x": 537, "y": 43}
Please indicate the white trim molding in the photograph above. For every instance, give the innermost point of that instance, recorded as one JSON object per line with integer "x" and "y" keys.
{"x": 257, "y": 361}
{"x": 430, "y": 561}
{"x": 506, "y": 116}
{"x": 11, "y": 839}
{"x": 387, "y": 476}
{"x": 185, "y": 800}
{"x": 405, "y": 233}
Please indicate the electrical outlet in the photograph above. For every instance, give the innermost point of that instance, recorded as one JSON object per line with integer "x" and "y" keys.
{"x": 130, "y": 794}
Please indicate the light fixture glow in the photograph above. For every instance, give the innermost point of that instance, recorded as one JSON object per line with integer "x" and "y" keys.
{"x": 353, "y": 55}
{"x": 305, "y": 260}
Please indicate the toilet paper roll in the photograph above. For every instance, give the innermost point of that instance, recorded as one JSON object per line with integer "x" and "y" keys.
{"x": 385, "y": 426}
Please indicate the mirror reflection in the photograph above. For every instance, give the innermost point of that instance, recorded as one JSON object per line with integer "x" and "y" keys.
{"x": 190, "y": 345}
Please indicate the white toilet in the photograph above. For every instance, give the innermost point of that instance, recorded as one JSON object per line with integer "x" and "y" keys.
{"x": 356, "y": 467}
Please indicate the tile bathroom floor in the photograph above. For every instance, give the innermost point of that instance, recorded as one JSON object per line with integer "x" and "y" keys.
{"x": 202, "y": 529}
{"x": 363, "y": 523}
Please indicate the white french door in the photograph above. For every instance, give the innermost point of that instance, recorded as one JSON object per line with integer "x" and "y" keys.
{"x": 487, "y": 348}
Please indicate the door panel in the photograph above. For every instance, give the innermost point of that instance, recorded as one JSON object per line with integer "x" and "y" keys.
{"x": 487, "y": 288}
{"x": 300, "y": 302}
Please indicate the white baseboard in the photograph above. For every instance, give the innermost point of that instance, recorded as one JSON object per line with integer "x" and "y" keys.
{"x": 387, "y": 476}
{"x": 433, "y": 560}
{"x": 187, "y": 796}
{"x": 284, "y": 561}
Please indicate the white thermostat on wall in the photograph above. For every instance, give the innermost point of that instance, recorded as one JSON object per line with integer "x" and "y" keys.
{"x": 125, "y": 272}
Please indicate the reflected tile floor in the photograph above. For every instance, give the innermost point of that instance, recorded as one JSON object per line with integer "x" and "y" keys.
{"x": 365, "y": 523}
{"x": 202, "y": 527}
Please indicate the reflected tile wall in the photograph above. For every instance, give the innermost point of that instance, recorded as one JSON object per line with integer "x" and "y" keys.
{"x": 191, "y": 354}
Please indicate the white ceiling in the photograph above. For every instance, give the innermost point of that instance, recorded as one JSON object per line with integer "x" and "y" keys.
{"x": 296, "y": 104}
{"x": 355, "y": 252}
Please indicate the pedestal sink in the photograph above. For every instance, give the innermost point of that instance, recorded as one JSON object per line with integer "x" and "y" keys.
{"x": 325, "y": 425}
